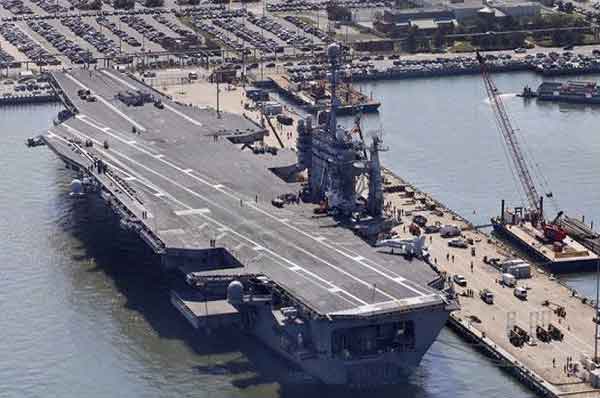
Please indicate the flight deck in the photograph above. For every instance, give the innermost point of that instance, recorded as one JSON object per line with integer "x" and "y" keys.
{"x": 184, "y": 180}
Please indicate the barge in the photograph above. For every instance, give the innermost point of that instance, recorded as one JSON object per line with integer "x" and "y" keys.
{"x": 556, "y": 255}
{"x": 584, "y": 92}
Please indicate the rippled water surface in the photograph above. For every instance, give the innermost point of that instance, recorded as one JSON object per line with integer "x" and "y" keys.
{"x": 85, "y": 312}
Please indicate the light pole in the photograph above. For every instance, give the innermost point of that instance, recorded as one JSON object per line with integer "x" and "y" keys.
{"x": 120, "y": 40}
{"x": 218, "y": 76}
{"x": 596, "y": 314}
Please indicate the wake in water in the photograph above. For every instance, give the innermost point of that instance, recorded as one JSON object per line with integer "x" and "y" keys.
{"x": 503, "y": 96}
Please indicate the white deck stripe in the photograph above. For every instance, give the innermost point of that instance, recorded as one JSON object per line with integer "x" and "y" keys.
{"x": 189, "y": 212}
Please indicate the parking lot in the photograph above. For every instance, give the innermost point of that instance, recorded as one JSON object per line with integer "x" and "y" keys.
{"x": 55, "y": 32}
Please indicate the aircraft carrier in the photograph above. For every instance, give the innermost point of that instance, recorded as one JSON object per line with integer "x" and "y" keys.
{"x": 276, "y": 243}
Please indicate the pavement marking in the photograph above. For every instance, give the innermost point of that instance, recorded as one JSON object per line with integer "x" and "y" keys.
{"x": 98, "y": 126}
{"x": 159, "y": 156}
{"x": 218, "y": 186}
{"x": 189, "y": 212}
{"x": 88, "y": 120}
{"x": 130, "y": 178}
{"x": 361, "y": 258}
{"x": 159, "y": 194}
{"x": 188, "y": 171}
{"x": 174, "y": 231}
{"x": 334, "y": 289}
{"x": 108, "y": 104}
{"x": 221, "y": 236}
{"x": 202, "y": 226}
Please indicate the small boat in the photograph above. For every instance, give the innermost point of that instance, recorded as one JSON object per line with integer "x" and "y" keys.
{"x": 34, "y": 141}
{"x": 527, "y": 93}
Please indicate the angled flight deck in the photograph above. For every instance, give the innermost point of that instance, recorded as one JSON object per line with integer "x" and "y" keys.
{"x": 182, "y": 174}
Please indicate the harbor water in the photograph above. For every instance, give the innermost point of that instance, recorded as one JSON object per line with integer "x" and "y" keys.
{"x": 85, "y": 312}
{"x": 443, "y": 138}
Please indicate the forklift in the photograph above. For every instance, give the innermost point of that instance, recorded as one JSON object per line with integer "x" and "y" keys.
{"x": 559, "y": 310}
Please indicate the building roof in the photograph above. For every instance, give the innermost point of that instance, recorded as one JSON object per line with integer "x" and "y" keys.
{"x": 424, "y": 23}
{"x": 413, "y": 11}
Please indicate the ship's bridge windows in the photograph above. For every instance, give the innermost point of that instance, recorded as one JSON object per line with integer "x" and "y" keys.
{"x": 370, "y": 340}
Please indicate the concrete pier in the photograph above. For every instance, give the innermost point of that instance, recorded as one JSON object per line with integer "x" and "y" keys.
{"x": 543, "y": 366}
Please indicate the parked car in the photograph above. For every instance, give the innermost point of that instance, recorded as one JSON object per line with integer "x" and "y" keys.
{"x": 420, "y": 220}
{"x": 487, "y": 296}
{"x": 460, "y": 280}
{"x": 460, "y": 243}
{"x": 432, "y": 229}
{"x": 449, "y": 231}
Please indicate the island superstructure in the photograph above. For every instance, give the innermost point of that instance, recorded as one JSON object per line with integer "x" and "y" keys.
{"x": 270, "y": 240}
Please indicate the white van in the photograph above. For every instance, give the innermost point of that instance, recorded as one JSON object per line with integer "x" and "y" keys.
{"x": 509, "y": 280}
{"x": 520, "y": 293}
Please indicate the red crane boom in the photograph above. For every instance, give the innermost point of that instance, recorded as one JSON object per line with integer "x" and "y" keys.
{"x": 510, "y": 137}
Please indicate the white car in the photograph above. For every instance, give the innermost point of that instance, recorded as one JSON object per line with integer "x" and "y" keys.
{"x": 460, "y": 280}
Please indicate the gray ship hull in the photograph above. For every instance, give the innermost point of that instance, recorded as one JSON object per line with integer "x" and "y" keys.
{"x": 312, "y": 290}
{"x": 391, "y": 366}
